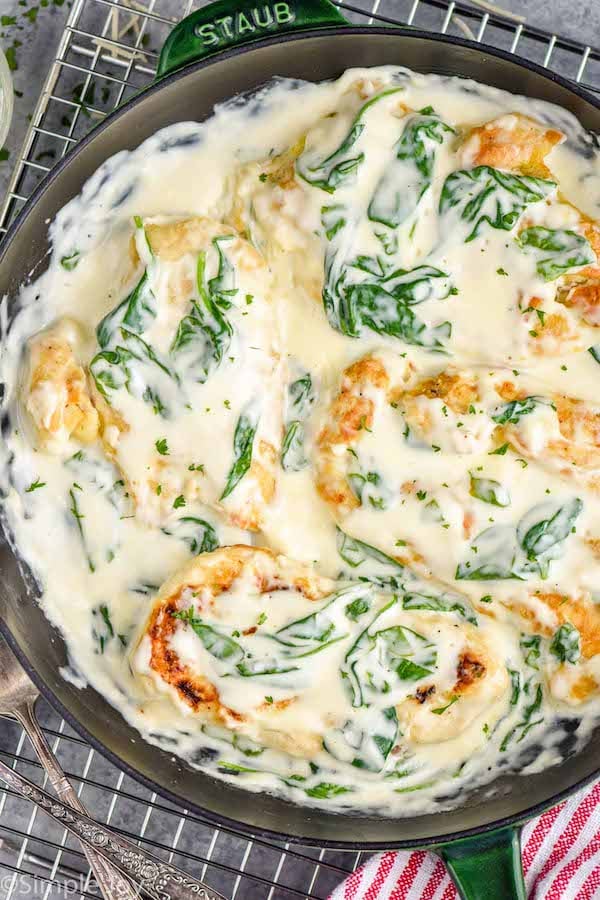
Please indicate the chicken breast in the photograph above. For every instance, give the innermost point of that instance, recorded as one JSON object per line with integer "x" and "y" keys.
{"x": 193, "y": 351}
{"x": 57, "y": 394}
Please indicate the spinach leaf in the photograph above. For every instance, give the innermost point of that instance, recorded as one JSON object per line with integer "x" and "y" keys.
{"x": 380, "y": 661}
{"x": 325, "y": 626}
{"x": 204, "y": 335}
{"x": 113, "y": 369}
{"x": 292, "y": 448}
{"x": 222, "y": 287}
{"x": 515, "y": 686}
{"x": 202, "y": 340}
{"x": 383, "y": 303}
{"x": 383, "y": 570}
{"x": 510, "y": 413}
{"x": 595, "y": 351}
{"x": 530, "y": 647}
{"x": 406, "y": 179}
{"x": 382, "y": 313}
{"x": 71, "y": 261}
{"x": 366, "y": 741}
{"x": 556, "y": 250}
{"x": 301, "y": 397}
{"x": 443, "y": 602}
{"x": 486, "y": 196}
{"x": 199, "y": 535}
{"x": 333, "y": 219}
{"x": 412, "y": 286}
{"x": 326, "y": 790}
{"x": 104, "y": 633}
{"x": 243, "y": 441}
{"x": 78, "y": 517}
{"x": 566, "y": 643}
{"x": 358, "y": 608}
{"x": 504, "y": 551}
{"x": 135, "y": 313}
{"x": 219, "y": 645}
{"x": 251, "y": 668}
{"x": 338, "y": 301}
{"x": 343, "y": 163}
{"x": 489, "y": 491}
{"x": 375, "y": 308}
{"x": 528, "y": 721}
{"x": 110, "y": 370}
{"x": 540, "y": 538}
{"x": 369, "y": 489}
{"x": 493, "y": 555}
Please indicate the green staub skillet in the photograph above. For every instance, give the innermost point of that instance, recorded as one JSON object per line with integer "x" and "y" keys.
{"x": 219, "y": 51}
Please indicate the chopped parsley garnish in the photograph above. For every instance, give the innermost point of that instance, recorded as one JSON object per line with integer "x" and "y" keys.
{"x": 178, "y": 502}
{"x": 162, "y": 446}
{"x": 499, "y": 451}
{"x": 35, "y": 485}
{"x": 442, "y": 709}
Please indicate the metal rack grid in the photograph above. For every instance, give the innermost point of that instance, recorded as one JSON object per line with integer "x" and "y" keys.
{"x": 108, "y": 51}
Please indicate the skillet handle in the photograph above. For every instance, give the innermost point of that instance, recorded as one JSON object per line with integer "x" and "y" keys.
{"x": 487, "y": 867}
{"x": 230, "y": 23}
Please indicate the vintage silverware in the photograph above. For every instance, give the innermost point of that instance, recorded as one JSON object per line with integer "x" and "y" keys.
{"x": 18, "y": 696}
{"x": 107, "y": 853}
{"x": 159, "y": 879}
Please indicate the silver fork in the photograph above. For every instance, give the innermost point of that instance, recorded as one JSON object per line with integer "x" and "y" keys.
{"x": 107, "y": 852}
{"x": 18, "y": 696}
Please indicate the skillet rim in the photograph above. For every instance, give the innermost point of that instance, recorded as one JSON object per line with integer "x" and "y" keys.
{"x": 12, "y": 234}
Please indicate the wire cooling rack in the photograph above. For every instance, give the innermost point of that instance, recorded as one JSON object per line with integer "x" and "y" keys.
{"x": 108, "y": 51}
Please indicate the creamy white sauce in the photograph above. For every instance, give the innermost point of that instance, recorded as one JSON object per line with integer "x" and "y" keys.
{"x": 100, "y": 553}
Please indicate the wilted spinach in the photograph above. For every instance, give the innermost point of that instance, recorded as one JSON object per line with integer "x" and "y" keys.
{"x": 566, "y": 643}
{"x": 379, "y": 660}
{"x": 243, "y": 442}
{"x": 383, "y": 570}
{"x": 301, "y": 397}
{"x": 556, "y": 250}
{"x": 365, "y": 741}
{"x": 197, "y": 534}
{"x": 340, "y": 165}
{"x": 486, "y": 196}
{"x": 506, "y": 551}
{"x": 409, "y": 175}
{"x": 510, "y": 413}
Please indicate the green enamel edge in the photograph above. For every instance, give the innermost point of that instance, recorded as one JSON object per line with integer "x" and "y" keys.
{"x": 487, "y": 867}
{"x": 225, "y": 24}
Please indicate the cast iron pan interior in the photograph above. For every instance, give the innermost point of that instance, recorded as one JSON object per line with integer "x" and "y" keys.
{"x": 191, "y": 94}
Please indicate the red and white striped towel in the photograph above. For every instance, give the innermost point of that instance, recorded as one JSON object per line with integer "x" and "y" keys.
{"x": 561, "y": 860}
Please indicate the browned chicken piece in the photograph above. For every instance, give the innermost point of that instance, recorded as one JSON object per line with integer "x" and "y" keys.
{"x": 364, "y": 384}
{"x": 57, "y": 394}
{"x": 481, "y": 680}
{"x": 155, "y": 483}
{"x": 442, "y": 410}
{"x": 514, "y": 142}
{"x": 580, "y": 291}
{"x": 577, "y": 443}
{"x": 200, "y": 584}
{"x": 572, "y": 683}
{"x": 350, "y": 416}
{"x": 457, "y": 390}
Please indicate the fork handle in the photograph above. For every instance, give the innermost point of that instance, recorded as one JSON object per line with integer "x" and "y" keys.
{"x": 161, "y": 880}
{"x": 110, "y": 881}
